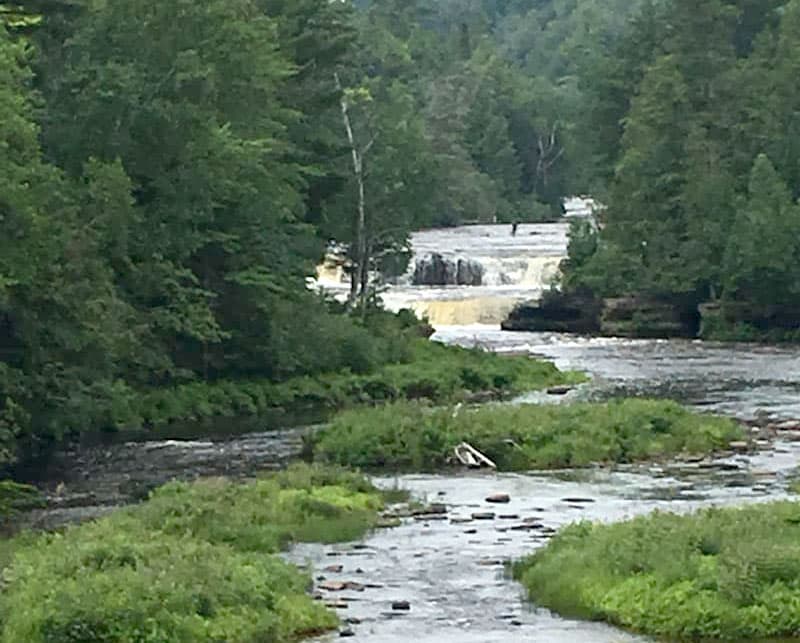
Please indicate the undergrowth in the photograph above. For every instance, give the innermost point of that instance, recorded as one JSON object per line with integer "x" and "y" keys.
{"x": 415, "y": 437}
{"x": 195, "y": 563}
{"x": 726, "y": 574}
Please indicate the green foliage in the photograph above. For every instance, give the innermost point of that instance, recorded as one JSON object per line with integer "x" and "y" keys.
{"x": 693, "y": 125}
{"x": 16, "y": 497}
{"x": 196, "y": 562}
{"x": 417, "y": 369}
{"x": 416, "y": 437}
{"x": 727, "y": 574}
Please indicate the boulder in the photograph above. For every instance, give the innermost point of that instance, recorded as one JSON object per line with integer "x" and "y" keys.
{"x": 499, "y": 498}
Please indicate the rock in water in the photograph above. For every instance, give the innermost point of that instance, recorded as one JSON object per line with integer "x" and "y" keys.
{"x": 499, "y": 499}
{"x": 401, "y": 606}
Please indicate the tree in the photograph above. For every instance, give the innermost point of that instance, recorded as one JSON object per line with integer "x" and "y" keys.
{"x": 761, "y": 259}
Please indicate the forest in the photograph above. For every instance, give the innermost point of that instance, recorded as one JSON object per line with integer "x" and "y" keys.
{"x": 172, "y": 172}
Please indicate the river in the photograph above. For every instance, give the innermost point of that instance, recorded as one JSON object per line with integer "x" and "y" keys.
{"x": 451, "y": 572}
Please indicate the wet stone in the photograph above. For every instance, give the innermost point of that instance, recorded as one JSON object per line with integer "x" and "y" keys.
{"x": 471, "y": 531}
{"x": 333, "y": 586}
{"x": 499, "y": 499}
{"x": 347, "y": 632}
{"x": 336, "y": 605}
{"x": 334, "y": 569}
{"x": 578, "y": 501}
{"x": 485, "y": 515}
{"x": 401, "y": 606}
{"x": 509, "y": 517}
{"x": 430, "y": 510}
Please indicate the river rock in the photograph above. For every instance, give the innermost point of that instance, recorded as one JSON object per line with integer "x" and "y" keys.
{"x": 578, "y": 501}
{"x": 484, "y": 515}
{"x": 430, "y": 510}
{"x": 333, "y": 586}
{"x": 787, "y": 425}
{"x": 499, "y": 498}
{"x": 559, "y": 390}
{"x": 401, "y": 606}
{"x": 740, "y": 445}
{"x": 347, "y": 632}
{"x": 334, "y": 569}
{"x": 336, "y": 605}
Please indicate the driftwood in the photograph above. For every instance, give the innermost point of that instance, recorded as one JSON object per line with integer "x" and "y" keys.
{"x": 470, "y": 457}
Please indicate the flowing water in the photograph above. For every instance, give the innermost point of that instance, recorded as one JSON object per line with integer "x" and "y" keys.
{"x": 451, "y": 572}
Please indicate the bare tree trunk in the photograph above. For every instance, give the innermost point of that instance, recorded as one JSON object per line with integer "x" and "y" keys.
{"x": 549, "y": 153}
{"x": 360, "y": 275}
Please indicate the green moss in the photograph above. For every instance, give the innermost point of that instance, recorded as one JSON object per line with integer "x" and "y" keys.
{"x": 194, "y": 563}
{"x": 429, "y": 371}
{"x": 721, "y": 573}
{"x": 408, "y": 436}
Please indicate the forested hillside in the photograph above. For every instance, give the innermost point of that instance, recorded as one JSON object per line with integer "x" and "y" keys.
{"x": 695, "y": 114}
{"x": 171, "y": 172}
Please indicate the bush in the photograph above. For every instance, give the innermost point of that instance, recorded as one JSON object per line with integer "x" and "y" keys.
{"x": 433, "y": 371}
{"x": 721, "y": 573}
{"x": 195, "y": 563}
{"x": 416, "y": 437}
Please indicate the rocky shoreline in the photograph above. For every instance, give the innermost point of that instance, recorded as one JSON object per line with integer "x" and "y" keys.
{"x": 653, "y": 318}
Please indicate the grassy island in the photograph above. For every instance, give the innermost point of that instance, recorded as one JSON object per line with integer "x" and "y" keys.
{"x": 414, "y": 437}
{"x": 726, "y": 574}
{"x": 195, "y": 563}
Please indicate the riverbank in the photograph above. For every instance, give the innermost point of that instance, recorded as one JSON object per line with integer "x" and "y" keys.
{"x": 414, "y": 437}
{"x": 427, "y": 371}
{"x": 725, "y": 574}
{"x": 641, "y": 317}
{"x": 196, "y": 562}
{"x": 433, "y": 372}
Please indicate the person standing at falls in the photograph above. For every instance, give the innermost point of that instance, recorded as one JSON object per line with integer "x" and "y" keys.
{"x": 514, "y": 229}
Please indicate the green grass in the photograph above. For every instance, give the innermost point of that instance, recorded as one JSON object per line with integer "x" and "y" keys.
{"x": 726, "y": 574}
{"x": 195, "y": 563}
{"x": 414, "y": 437}
{"x": 15, "y": 497}
{"x": 432, "y": 371}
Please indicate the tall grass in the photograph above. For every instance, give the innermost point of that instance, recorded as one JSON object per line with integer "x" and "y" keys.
{"x": 196, "y": 563}
{"x": 726, "y": 574}
{"x": 415, "y": 437}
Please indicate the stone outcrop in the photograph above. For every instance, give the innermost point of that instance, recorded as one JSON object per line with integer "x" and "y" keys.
{"x": 649, "y": 318}
{"x": 557, "y": 312}
{"x": 436, "y": 270}
{"x": 620, "y": 317}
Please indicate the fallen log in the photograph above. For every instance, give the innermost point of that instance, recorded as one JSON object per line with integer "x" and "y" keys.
{"x": 470, "y": 457}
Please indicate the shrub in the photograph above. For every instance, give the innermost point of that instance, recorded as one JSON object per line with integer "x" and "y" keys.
{"x": 195, "y": 563}
{"x": 721, "y": 573}
{"x": 434, "y": 372}
{"x": 408, "y": 436}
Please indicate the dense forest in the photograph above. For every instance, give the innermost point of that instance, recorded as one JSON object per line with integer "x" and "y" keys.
{"x": 172, "y": 171}
{"x": 695, "y": 114}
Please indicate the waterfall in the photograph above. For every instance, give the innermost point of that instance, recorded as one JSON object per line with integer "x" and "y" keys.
{"x": 469, "y": 274}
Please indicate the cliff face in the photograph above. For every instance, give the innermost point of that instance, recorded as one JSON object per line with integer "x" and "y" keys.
{"x": 620, "y": 317}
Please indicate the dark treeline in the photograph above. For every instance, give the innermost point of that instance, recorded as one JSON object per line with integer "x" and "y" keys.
{"x": 694, "y": 110}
